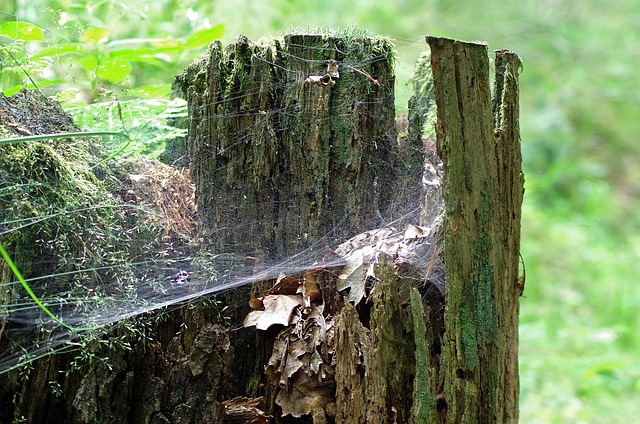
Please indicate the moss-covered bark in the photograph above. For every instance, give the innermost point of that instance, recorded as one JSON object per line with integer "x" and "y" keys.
{"x": 281, "y": 159}
{"x": 483, "y": 189}
{"x": 293, "y": 157}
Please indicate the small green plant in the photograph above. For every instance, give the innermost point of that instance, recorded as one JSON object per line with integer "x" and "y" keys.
{"x": 94, "y": 64}
{"x": 150, "y": 123}
{"x": 55, "y": 388}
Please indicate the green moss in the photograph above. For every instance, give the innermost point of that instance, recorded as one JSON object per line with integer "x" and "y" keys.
{"x": 60, "y": 220}
{"x": 423, "y": 409}
{"x": 483, "y": 277}
{"x": 468, "y": 325}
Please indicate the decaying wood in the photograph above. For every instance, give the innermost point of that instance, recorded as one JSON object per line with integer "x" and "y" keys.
{"x": 295, "y": 145}
{"x": 295, "y": 159}
{"x": 360, "y": 369}
{"x": 288, "y": 144}
{"x": 483, "y": 189}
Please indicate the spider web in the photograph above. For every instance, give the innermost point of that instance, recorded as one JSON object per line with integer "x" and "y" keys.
{"x": 172, "y": 261}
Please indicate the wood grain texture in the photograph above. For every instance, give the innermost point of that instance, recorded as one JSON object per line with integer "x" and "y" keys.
{"x": 483, "y": 189}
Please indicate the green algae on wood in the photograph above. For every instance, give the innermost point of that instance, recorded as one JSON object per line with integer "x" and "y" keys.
{"x": 302, "y": 157}
{"x": 483, "y": 189}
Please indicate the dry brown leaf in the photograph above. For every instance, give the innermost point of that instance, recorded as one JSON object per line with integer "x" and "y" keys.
{"x": 415, "y": 232}
{"x": 256, "y": 303}
{"x": 285, "y": 285}
{"x": 304, "y": 396}
{"x": 277, "y": 310}
{"x": 244, "y": 410}
{"x": 301, "y": 362}
{"x": 362, "y": 251}
{"x": 354, "y": 278}
{"x": 310, "y": 288}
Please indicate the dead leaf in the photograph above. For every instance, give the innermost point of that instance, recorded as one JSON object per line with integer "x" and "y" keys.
{"x": 256, "y": 303}
{"x": 304, "y": 396}
{"x": 285, "y": 285}
{"x": 354, "y": 278}
{"x": 415, "y": 232}
{"x": 277, "y": 310}
{"x": 301, "y": 362}
{"x": 244, "y": 410}
{"x": 310, "y": 288}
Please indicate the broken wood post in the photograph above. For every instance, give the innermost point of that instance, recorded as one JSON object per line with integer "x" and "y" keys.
{"x": 287, "y": 136}
{"x": 483, "y": 190}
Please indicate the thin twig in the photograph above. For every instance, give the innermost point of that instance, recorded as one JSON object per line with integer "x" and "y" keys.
{"x": 365, "y": 73}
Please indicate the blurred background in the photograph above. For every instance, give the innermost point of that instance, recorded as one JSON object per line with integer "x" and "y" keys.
{"x": 580, "y": 120}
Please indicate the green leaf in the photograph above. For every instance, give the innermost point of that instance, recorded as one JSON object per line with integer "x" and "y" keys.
{"x": 21, "y": 31}
{"x": 203, "y": 37}
{"x": 114, "y": 70}
{"x": 11, "y": 91}
{"x": 59, "y": 50}
{"x": 88, "y": 62}
{"x": 147, "y": 55}
{"x": 95, "y": 35}
{"x": 134, "y": 43}
{"x": 151, "y": 92}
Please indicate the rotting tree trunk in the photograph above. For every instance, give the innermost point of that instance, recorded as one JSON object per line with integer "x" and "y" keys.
{"x": 278, "y": 159}
{"x": 473, "y": 376}
{"x": 306, "y": 155}
{"x": 287, "y": 149}
{"x": 297, "y": 153}
{"x": 483, "y": 190}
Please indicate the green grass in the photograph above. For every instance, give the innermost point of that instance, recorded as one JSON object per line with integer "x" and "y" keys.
{"x": 579, "y": 320}
{"x": 580, "y": 341}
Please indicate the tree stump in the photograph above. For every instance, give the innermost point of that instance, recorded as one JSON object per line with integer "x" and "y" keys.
{"x": 293, "y": 148}
{"x": 304, "y": 124}
{"x": 292, "y": 141}
{"x": 286, "y": 140}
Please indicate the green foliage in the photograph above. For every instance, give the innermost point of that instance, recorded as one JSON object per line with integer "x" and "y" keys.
{"x": 44, "y": 184}
{"x": 147, "y": 122}
{"x": 85, "y": 47}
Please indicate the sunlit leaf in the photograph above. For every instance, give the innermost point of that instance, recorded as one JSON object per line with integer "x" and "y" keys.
{"x": 203, "y": 37}
{"x": 147, "y": 55}
{"x": 11, "y": 91}
{"x": 277, "y": 310}
{"x": 95, "y": 35}
{"x": 151, "y": 91}
{"x": 114, "y": 70}
{"x": 130, "y": 43}
{"x": 166, "y": 43}
{"x": 88, "y": 62}
{"x": 60, "y": 50}
{"x": 21, "y": 31}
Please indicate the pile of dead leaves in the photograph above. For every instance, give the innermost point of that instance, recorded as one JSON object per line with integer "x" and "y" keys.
{"x": 302, "y": 363}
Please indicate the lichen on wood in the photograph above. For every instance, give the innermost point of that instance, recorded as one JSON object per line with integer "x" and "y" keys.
{"x": 303, "y": 157}
{"x": 483, "y": 190}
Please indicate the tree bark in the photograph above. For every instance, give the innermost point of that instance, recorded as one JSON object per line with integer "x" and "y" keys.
{"x": 483, "y": 189}
{"x": 278, "y": 160}
{"x": 287, "y": 147}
